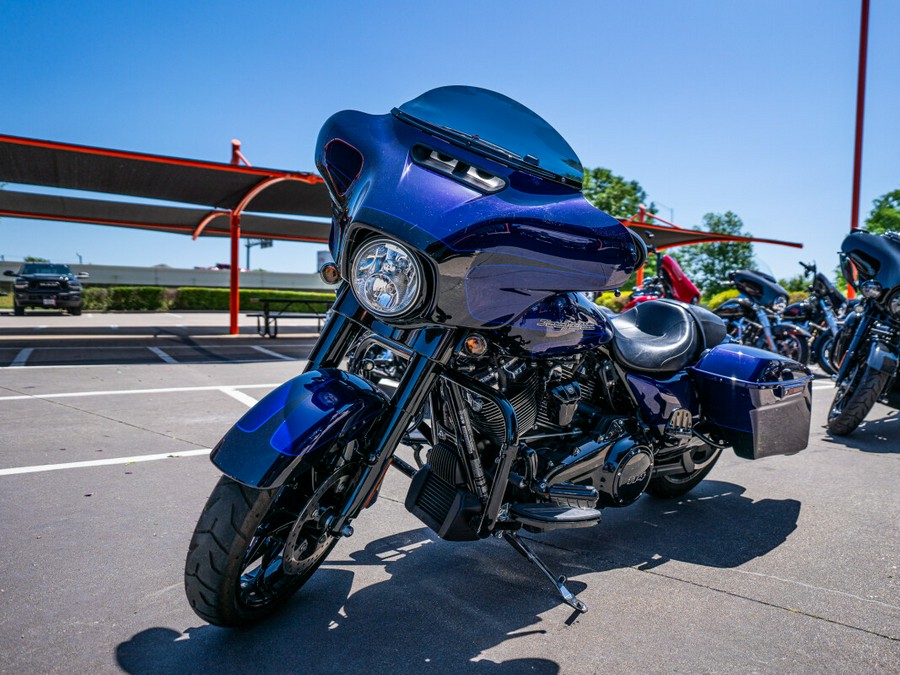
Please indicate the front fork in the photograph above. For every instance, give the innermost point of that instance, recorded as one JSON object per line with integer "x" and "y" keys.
{"x": 858, "y": 337}
{"x": 766, "y": 326}
{"x": 428, "y": 350}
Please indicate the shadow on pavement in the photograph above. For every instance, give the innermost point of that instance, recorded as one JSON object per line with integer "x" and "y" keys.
{"x": 878, "y": 435}
{"x": 445, "y": 604}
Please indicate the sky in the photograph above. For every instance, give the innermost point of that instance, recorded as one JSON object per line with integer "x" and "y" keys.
{"x": 711, "y": 106}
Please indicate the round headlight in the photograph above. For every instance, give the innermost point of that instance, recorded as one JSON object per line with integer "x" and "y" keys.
{"x": 870, "y": 289}
{"x": 386, "y": 278}
{"x": 894, "y": 305}
{"x": 779, "y": 305}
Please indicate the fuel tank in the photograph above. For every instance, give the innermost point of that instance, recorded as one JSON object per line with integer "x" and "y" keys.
{"x": 561, "y": 325}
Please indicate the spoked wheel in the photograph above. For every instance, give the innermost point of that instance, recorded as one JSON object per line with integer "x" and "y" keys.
{"x": 675, "y": 485}
{"x": 855, "y": 397}
{"x": 253, "y": 549}
{"x": 793, "y": 347}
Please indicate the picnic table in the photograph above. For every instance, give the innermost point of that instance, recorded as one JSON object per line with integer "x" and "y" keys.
{"x": 273, "y": 309}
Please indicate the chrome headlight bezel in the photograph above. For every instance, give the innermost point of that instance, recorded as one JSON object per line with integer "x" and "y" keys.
{"x": 387, "y": 278}
{"x": 779, "y": 304}
{"x": 893, "y": 305}
{"x": 870, "y": 289}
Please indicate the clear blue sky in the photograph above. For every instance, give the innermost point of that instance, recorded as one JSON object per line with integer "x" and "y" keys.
{"x": 710, "y": 105}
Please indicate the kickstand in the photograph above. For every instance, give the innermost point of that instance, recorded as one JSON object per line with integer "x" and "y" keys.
{"x": 559, "y": 581}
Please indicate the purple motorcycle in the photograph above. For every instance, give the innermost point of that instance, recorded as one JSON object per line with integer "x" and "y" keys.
{"x": 461, "y": 240}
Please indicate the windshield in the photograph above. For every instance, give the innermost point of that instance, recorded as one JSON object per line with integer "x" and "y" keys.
{"x": 497, "y": 127}
{"x": 45, "y": 268}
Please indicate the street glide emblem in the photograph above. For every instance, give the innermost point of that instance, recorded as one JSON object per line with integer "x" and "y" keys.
{"x": 567, "y": 325}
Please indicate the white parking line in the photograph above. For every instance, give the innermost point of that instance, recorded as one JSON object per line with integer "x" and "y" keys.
{"x": 248, "y": 401}
{"x": 161, "y": 354}
{"x": 117, "y": 392}
{"x": 102, "y": 462}
{"x": 21, "y": 358}
{"x": 271, "y": 353}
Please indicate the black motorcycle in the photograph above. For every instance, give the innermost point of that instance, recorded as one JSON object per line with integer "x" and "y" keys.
{"x": 821, "y": 314}
{"x": 754, "y": 318}
{"x": 868, "y": 348}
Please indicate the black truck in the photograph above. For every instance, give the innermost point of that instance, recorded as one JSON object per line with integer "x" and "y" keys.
{"x": 48, "y": 285}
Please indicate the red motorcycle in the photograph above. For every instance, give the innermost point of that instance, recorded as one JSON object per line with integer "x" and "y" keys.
{"x": 670, "y": 282}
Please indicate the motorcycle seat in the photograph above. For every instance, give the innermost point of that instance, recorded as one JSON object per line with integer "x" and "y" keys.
{"x": 657, "y": 336}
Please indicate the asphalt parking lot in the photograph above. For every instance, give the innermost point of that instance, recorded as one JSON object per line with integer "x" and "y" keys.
{"x": 785, "y": 565}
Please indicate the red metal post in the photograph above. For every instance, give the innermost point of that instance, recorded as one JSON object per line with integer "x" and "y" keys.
{"x": 642, "y": 218}
{"x": 234, "y": 298}
{"x": 234, "y": 295}
{"x": 860, "y": 115}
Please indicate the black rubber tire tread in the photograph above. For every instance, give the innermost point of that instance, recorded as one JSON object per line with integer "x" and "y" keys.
{"x": 859, "y": 403}
{"x": 215, "y": 556}
{"x": 663, "y": 488}
{"x": 75, "y": 311}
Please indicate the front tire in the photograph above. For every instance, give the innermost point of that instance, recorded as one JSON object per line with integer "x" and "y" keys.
{"x": 675, "y": 485}
{"x": 18, "y": 310}
{"x": 253, "y": 549}
{"x": 854, "y": 398}
{"x": 822, "y": 352}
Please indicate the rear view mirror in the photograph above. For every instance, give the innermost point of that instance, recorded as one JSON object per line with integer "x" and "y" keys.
{"x": 9, "y": 273}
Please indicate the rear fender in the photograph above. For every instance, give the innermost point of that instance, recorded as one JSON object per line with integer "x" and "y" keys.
{"x": 297, "y": 422}
{"x": 882, "y": 358}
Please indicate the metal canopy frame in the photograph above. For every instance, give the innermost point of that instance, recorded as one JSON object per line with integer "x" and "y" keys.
{"x": 229, "y": 189}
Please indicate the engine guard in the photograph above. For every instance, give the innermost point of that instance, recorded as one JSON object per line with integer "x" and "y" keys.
{"x": 297, "y": 422}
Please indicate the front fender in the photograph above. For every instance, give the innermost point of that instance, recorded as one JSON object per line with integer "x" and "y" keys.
{"x": 297, "y": 422}
{"x": 790, "y": 328}
{"x": 882, "y": 358}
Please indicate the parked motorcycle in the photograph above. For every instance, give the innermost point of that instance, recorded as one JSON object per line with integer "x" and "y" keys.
{"x": 820, "y": 314}
{"x": 868, "y": 347}
{"x": 670, "y": 281}
{"x": 460, "y": 236}
{"x": 754, "y": 317}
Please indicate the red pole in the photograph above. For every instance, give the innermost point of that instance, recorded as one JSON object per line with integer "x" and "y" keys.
{"x": 234, "y": 295}
{"x": 642, "y": 218}
{"x": 860, "y": 114}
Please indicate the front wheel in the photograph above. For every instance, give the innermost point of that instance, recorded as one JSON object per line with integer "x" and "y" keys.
{"x": 253, "y": 549}
{"x": 855, "y": 397}
{"x": 792, "y": 346}
{"x": 675, "y": 485}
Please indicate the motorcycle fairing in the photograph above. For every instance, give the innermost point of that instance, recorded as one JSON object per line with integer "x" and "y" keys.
{"x": 296, "y": 422}
{"x": 536, "y": 237}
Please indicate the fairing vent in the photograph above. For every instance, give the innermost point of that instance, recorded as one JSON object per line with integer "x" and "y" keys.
{"x": 454, "y": 168}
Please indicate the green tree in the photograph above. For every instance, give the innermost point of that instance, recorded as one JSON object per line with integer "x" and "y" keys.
{"x": 613, "y": 194}
{"x": 31, "y": 258}
{"x": 885, "y": 214}
{"x": 708, "y": 265}
{"x": 794, "y": 284}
